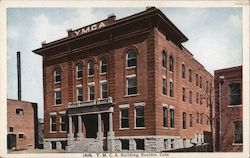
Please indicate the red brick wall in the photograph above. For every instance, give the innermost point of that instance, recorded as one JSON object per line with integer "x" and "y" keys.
{"x": 21, "y": 124}
{"x": 149, "y": 71}
{"x": 229, "y": 113}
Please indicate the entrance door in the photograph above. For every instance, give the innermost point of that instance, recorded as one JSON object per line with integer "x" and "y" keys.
{"x": 11, "y": 141}
{"x": 91, "y": 124}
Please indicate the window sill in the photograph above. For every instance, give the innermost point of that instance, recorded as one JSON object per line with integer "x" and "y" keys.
{"x": 165, "y": 128}
{"x": 131, "y": 95}
{"x": 89, "y": 76}
{"x": 104, "y": 73}
{"x": 52, "y": 132}
{"x": 57, "y": 105}
{"x": 132, "y": 67}
{"x": 170, "y": 97}
{"x": 165, "y": 95}
{"x": 124, "y": 128}
{"x": 57, "y": 82}
{"x": 237, "y": 144}
{"x": 140, "y": 128}
{"x": 63, "y": 131}
{"x": 172, "y": 128}
{"x": 234, "y": 106}
{"x": 78, "y": 78}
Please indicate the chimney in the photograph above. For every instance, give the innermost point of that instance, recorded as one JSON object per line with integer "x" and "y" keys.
{"x": 19, "y": 76}
{"x": 111, "y": 18}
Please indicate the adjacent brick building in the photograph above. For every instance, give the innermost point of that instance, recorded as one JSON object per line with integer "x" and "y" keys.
{"x": 22, "y": 125}
{"x": 125, "y": 84}
{"x": 228, "y": 99}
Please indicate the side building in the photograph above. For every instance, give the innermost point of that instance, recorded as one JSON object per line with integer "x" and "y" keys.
{"x": 125, "y": 84}
{"x": 228, "y": 109}
{"x": 22, "y": 125}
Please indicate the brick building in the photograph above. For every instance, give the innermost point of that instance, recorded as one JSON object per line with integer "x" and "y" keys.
{"x": 125, "y": 84}
{"x": 228, "y": 99}
{"x": 22, "y": 125}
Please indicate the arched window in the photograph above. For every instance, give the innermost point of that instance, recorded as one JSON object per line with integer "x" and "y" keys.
{"x": 171, "y": 63}
{"x": 131, "y": 58}
{"x": 57, "y": 75}
{"x": 79, "y": 71}
{"x": 164, "y": 59}
{"x": 104, "y": 65}
{"x": 91, "y": 68}
{"x": 183, "y": 71}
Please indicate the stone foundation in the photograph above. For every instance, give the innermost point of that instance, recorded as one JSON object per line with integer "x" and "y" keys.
{"x": 114, "y": 144}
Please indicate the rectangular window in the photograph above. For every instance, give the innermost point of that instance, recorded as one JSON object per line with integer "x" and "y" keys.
{"x": 183, "y": 71}
{"x": 53, "y": 123}
{"x": 197, "y": 97}
{"x": 197, "y": 118}
{"x": 165, "y": 116}
{"x": 91, "y": 92}
{"x": 139, "y": 113}
{"x": 206, "y": 86}
{"x": 235, "y": 94}
{"x": 124, "y": 113}
{"x": 21, "y": 136}
{"x": 164, "y": 87}
{"x": 132, "y": 86}
{"x": 190, "y": 120}
{"x": 201, "y": 118}
{"x": 140, "y": 144}
{"x": 184, "y": 120}
{"x": 79, "y": 93}
{"x": 201, "y": 99}
{"x": 11, "y": 129}
{"x": 171, "y": 118}
{"x": 238, "y": 134}
{"x": 104, "y": 90}
{"x": 197, "y": 79}
{"x": 19, "y": 111}
{"x": 171, "y": 89}
{"x": 125, "y": 144}
{"x": 190, "y": 75}
{"x": 190, "y": 97}
{"x": 183, "y": 94}
{"x": 62, "y": 122}
{"x": 200, "y": 82}
{"x": 58, "y": 94}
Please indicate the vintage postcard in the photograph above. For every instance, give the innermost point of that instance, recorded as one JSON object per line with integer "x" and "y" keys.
{"x": 124, "y": 78}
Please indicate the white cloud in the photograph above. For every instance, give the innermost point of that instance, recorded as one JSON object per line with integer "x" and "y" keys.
{"x": 12, "y": 33}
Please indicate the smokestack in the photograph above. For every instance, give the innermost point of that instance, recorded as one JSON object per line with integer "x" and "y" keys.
{"x": 19, "y": 88}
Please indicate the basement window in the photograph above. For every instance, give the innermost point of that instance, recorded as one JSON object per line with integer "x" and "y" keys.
{"x": 19, "y": 111}
{"x": 125, "y": 144}
{"x": 140, "y": 145}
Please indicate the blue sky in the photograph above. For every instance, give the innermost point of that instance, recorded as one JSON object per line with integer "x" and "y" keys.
{"x": 215, "y": 38}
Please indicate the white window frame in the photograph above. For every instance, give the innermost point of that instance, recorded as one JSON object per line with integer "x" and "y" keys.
{"x": 77, "y": 70}
{"x": 123, "y": 106}
{"x": 171, "y": 81}
{"x": 89, "y": 68}
{"x": 57, "y": 90}
{"x": 103, "y": 73}
{"x": 60, "y": 114}
{"x": 50, "y": 122}
{"x": 101, "y": 83}
{"x": 135, "y": 106}
{"x": 128, "y": 77}
{"x": 165, "y": 106}
{"x": 164, "y": 77}
{"x": 131, "y": 67}
{"x": 90, "y": 84}
{"x": 54, "y": 75}
{"x": 171, "y": 107}
{"x": 77, "y": 92}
